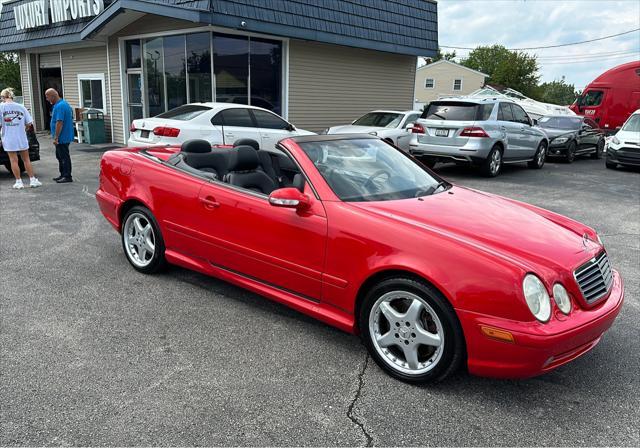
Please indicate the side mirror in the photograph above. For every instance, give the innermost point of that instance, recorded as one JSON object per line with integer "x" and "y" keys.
{"x": 289, "y": 198}
{"x": 291, "y": 128}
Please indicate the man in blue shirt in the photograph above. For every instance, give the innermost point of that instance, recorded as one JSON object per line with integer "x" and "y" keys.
{"x": 62, "y": 133}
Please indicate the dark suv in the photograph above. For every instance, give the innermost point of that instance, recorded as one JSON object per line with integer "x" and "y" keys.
{"x": 34, "y": 151}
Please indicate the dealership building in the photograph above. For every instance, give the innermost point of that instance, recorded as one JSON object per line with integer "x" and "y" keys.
{"x": 315, "y": 62}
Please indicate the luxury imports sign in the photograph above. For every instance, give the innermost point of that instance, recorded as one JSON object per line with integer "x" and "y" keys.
{"x": 43, "y": 12}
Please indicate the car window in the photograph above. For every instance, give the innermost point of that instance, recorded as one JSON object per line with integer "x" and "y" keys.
{"x": 485, "y": 111}
{"x": 379, "y": 119}
{"x": 592, "y": 124}
{"x": 359, "y": 170}
{"x": 449, "y": 110}
{"x": 411, "y": 119}
{"x": 184, "y": 113}
{"x": 632, "y": 124}
{"x": 592, "y": 98}
{"x": 234, "y": 117}
{"x": 519, "y": 114}
{"x": 505, "y": 113}
{"x": 268, "y": 120}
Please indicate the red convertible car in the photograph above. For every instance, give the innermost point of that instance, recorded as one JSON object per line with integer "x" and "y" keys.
{"x": 358, "y": 234}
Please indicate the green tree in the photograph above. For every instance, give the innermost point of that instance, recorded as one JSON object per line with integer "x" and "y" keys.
{"x": 557, "y": 92}
{"x": 10, "y": 72}
{"x": 447, "y": 56}
{"x": 514, "y": 69}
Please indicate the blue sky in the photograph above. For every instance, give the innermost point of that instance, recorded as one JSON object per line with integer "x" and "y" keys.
{"x": 533, "y": 23}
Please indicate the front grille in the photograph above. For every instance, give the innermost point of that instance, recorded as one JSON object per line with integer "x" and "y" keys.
{"x": 594, "y": 277}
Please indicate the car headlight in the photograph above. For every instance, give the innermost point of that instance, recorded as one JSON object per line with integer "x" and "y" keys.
{"x": 561, "y": 296}
{"x": 537, "y": 297}
{"x": 615, "y": 141}
{"x": 560, "y": 140}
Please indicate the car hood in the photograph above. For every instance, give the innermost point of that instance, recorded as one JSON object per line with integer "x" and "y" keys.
{"x": 352, "y": 129}
{"x": 553, "y": 133}
{"x": 529, "y": 237}
{"x": 628, "y": 136}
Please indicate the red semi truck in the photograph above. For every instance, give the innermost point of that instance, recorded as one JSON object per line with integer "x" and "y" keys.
{"x": 612, "y": 97}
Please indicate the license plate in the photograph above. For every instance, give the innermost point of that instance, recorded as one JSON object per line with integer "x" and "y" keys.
{"x": 144, "y": 134}
{"x": 442, "y": 132}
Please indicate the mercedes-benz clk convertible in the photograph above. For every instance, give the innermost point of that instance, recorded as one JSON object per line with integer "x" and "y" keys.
{"x": 354, "y": 232}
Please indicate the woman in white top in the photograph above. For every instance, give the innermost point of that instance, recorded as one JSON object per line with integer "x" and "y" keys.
{"x": 15, "y": 119}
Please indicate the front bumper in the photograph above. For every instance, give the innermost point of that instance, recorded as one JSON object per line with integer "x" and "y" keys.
{"x": 557, "y": 149}
{"x": 624, "y": 156}
{"x": 537, "y": 348}
{"x": 474, "y": 151}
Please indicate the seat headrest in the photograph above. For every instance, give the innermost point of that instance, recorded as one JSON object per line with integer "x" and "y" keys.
{"x": 247, "y": 142}
{"x": 244, "y": 159}
{"x": 196, "y": 146}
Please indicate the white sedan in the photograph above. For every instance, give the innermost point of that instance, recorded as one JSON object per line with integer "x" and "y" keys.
{"x": 391, "y": 125}
{"x": 218, "y": 123}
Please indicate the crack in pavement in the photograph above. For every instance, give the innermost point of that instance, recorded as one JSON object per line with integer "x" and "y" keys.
{"x": 350, "y": 413}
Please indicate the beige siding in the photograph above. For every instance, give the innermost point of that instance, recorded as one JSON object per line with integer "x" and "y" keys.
{"x": 116, "y": 98}
{"x": 91, "y": 60}
{"x": 331, "y": 84}
{"x": 49, "y": 60}
{"x": 443, "y": 76}
{"x": 24, "y": 78}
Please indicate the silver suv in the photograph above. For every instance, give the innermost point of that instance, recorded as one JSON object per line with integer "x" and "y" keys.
{"x": 486, "y": 133}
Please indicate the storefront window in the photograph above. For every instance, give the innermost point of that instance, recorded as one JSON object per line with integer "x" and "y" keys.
{"x": 174, "y": 70}
{"x": 133, "y": 53}
{"x": 199, "y": 67}
{"x": 231, "y": 68}
{"x": 154, "y": 79}
{"x": 266, "y": 74}
{"x": 91, "y": 96}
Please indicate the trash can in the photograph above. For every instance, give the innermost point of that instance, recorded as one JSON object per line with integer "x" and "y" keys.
{"x": 93, "y": 126}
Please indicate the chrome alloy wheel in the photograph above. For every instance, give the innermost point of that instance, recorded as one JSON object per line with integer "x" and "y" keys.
{"x": 139, "y": 239}
{"x": 406, "y": 332}
{"x": 542, "y": 154}
{"x": 496, "y": 160}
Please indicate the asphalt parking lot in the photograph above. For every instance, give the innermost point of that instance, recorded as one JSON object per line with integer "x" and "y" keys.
{"x": 94, "y": 353}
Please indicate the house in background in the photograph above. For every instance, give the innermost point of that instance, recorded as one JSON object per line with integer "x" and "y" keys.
{"x": 445, "y": 78}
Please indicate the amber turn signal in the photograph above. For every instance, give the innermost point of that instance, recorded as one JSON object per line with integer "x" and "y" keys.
{"x": 496, "y": 333}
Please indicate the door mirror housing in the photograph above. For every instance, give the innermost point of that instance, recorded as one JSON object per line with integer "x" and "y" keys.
{"x": 291, "y": 127}
{"x": 289, "y": 198}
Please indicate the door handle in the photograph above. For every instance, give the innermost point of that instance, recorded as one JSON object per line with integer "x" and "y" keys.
{"x": 210, "y": 202}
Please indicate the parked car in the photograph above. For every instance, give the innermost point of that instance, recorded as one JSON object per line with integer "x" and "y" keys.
{"x": 361, "y": 236}
{"x": 572, "y": 136}
{"x": 483, "y": 132}
{"x": 624, "y": 147}
{"x": 611, "y": 97}
{"x": 34, "y": 151}
{"x": 390, "y": 125}
{"x": 218, "y": 123}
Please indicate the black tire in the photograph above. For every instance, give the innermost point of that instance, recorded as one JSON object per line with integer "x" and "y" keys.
{"x": 610, "y": 165}
{"x": 452, "y": 352}
{"x": 570, "y": 155}
{"x": 540, "y": 157}
{"x": 157, "y": 262}
{"x": 487, "y": 168}
{"x": 599, "y": 149}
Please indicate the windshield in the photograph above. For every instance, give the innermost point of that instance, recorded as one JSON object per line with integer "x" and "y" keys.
{"x": 454, "y": 111}
{"x": 184, "y": 113}
{"x": 560, "y": 122}
{"x": 632, "y": 124}
{"x": 360, "y": 170}
{"x": 379, "y": 120}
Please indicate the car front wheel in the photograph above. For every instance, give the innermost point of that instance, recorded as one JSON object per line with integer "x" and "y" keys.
{"x": 599, "y": 150}
{"x": 142, "y": 241}
{"x": 411, "y": 331}
{"x": 570, "y": 156}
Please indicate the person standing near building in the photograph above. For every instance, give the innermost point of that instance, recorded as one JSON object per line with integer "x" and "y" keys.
{"x": 62, "y": 133}
{"x": 15, "y": 120}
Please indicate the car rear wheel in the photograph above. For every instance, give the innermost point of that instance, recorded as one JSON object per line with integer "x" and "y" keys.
{"x": 599, "y": 150}
{"x": 570, "y": 156}
{"x": 492, "y": 166}
{"x": 611, "y": 165}
{"x": 411, "y": 331}
{"x": 142, "y": 241}
{"x": 428, "y": 161}
{"x": 540, "y": 157}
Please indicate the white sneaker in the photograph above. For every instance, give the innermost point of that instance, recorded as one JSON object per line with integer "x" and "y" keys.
{"x": 18, "y": 185}
{"x": 34, "y": 182}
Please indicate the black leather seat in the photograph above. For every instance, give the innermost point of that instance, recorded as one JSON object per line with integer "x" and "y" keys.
{"x": 244, "y": 171}
{"x": 266, "y": 160}
{"x": 197, "y": 157}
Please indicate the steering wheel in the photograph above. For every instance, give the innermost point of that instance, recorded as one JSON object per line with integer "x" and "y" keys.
{"x": 370, "y": 181}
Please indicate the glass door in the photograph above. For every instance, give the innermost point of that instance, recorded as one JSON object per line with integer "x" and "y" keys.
{"x": 135, "y": 98}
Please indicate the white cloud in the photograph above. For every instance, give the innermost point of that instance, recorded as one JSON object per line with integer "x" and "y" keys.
{"x": 529, "y": 23}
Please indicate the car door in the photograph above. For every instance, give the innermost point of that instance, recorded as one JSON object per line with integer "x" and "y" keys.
{"x": 235, "y": 123}
{"x": 588, "y": 135}
{"x": 404, "y": 135}
{"x": 244, "y": 234}
{"x": 272, "y": 128}
{"x": 514, "y": 149}
{"x": 527, "y": 137}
